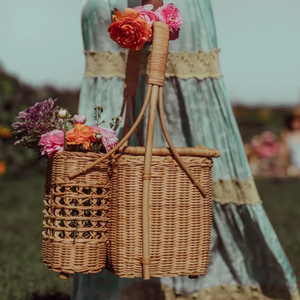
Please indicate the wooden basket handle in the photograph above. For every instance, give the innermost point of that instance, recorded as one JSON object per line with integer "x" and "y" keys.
{"x": 130, "y": 90}
{"x": 156, "y": 77}
{"x": 173, "y": 149}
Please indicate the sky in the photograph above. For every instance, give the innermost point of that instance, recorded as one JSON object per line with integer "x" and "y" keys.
{"x": 41, "y": 43}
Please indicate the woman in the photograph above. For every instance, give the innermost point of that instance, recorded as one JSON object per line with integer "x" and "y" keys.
{"x": 247, "y": 261}
{"x": 290, "y": 153}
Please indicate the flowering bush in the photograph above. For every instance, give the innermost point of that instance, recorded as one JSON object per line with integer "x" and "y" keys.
{"x": 5, "y": 132}
{"x": 266, "y": 145}
{"x": 50, "y": 129}
{"x": 133, "y": 29}
{"x": 2, "y": 167}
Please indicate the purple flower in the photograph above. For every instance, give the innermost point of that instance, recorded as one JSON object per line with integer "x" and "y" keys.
{"x": 32, "y": 115}
{"x": 37, "y": 120}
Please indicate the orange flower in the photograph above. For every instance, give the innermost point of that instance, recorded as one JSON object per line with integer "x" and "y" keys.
{"x": 82, "y": 134}
{"x": 2, "y": 167}
{"x": 128, "y": 30}
{"x": 5, "y": 133}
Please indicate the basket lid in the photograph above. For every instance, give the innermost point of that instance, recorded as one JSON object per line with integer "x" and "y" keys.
{"x": 162, "y": 151}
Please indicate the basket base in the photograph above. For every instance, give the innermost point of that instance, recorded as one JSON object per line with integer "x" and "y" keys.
{"x": 66, "y": 257}
{"x": 154, "y": 273}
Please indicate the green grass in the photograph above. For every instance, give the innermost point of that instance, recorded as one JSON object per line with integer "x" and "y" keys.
{"x": 281, "y": 201}
{"x": 22, "y": 273}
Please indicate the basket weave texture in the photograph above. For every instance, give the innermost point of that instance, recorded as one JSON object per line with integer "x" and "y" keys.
{"x": 75, "y": 214}
{"x": 180, "y": 219}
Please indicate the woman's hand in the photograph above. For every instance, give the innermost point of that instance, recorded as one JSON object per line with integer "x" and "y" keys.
{"x": 155, "y": 3}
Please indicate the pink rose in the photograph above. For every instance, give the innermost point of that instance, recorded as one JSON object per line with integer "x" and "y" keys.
{"x": 79, "y": 119}
{"x": 170, "y": 15}
{"x": 268, "y": 151}
{"x": 146, "y": 13}
{"x": 108, "y": 137}
{"x": 52, "y": 142}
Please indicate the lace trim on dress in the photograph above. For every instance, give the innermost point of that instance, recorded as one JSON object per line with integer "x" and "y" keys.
{"x": 233, "y": 292}
{"x": 105, "y": 64}
{"x": 183, "y": 65}
{"x": 235, "y": 191}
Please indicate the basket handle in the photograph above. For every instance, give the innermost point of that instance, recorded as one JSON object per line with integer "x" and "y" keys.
{"x": 173, "y": 149}
{"x": 156, "y": 79}
{"x": 130, "y": 90}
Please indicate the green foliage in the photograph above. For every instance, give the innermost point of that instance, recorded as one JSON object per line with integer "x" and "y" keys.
{"x": 15, "y": 97}
{"x": 254, "y": 120}
{"x": 22, "y": 274}
{"x": 281, "y": 202}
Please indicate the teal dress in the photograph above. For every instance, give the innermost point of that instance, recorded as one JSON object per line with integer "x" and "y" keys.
{"x": 246, "y": 258}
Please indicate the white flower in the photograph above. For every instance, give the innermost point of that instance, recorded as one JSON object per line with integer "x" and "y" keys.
{"x": 99, "y": 107}
{"x": 63, "y": 113}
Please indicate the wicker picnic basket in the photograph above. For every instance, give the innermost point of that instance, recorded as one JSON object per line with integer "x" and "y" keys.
{"x": 75, "y": 214}
{"x": 160, "y": 213}
{"x": 179, "y": 216}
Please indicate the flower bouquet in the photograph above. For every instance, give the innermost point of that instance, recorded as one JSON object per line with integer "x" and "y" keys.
{"x": 264, "y": 154}
{"x": 134, "y": 28}
{"x": 75, "y": 214}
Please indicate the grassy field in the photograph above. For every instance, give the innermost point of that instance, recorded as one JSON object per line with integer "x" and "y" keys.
{"x": 23, "y": 275}
{"x": 282, "y": 203}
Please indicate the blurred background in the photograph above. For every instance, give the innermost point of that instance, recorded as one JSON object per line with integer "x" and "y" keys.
{"x": 41, "y": 56}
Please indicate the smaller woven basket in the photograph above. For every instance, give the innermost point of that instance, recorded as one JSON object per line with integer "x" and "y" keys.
{"x": 75, "y": 214}
{"x": 180, "y": 217}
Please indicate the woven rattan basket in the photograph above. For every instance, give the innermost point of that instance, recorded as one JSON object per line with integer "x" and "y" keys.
{"x": 75, "y": 214}
{"x": 179, "y": 217}
{"x": 160, "y": 214}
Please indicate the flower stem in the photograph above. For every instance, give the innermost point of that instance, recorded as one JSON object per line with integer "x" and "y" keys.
{"x": 65, "y": 131}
